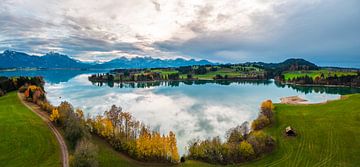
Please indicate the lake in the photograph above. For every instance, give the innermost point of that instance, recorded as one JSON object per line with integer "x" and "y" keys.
{"x": 190, "y": 109}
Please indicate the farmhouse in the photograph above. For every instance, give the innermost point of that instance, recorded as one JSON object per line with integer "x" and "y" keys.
{"x": 290, "y": 131}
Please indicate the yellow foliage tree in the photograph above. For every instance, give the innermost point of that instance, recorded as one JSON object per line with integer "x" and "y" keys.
{"x": 108, "y": 128}
{"x": 246, "y": 149}
{"x": 54, "y": 115}
{"x": 267, "y": 104}
{"x": 173, "y": 147}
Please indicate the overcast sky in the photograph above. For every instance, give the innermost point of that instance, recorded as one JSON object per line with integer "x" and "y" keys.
{"x": 326, "y": 32}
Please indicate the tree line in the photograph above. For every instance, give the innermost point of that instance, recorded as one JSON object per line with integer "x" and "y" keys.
{"x": 14, "y": 83}
{"x": 346, "y": 80}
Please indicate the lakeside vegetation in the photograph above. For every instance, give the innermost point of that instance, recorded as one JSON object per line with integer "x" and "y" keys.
{"x": 349, "y": 78}
{"x": 289, "y": 75}
{"x": 25, "y": 138}
{"x": 203, "y": 72}
{"x": 291, "y": 71}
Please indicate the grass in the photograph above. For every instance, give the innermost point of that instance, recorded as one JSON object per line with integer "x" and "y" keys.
{"x": 315, "y": 73}
{"x": 107, "y": 156}
{"x": 328, "y": 135}
{"x": 25, "y": 140}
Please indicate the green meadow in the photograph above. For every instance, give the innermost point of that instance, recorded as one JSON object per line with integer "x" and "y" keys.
{"x": 25, "y": 140}
{"x": 316, "y": 73}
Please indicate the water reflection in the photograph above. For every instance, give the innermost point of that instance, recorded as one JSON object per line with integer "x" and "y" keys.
{"x": 177, "y": 83}
{"x": 298, "y": 88}
{"x": 320, "y": 89}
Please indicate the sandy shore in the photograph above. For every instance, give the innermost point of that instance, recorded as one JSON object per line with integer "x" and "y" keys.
{"x": 292, "y": 100}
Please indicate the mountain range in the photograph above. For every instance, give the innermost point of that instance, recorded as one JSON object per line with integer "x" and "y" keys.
{"x": 13, "y": 59}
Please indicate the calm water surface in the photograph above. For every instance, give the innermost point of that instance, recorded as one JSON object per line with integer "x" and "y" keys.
{"x": 191, "y": 110}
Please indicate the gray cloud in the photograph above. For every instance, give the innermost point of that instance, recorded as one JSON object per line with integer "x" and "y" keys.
{"x": 228, "y": 31}
{"x": 327, "y": 33}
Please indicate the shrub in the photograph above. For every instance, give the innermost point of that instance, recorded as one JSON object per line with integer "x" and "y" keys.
{"x": 246, "y": 150}
{"x": 261, "y": 122}
{"x": 261, "y": 142}
{"x": 46, "y": 106}
{"x": 85, "y": 155}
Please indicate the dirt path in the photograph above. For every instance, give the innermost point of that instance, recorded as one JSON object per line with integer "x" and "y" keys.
{"x": 37, "y": 110}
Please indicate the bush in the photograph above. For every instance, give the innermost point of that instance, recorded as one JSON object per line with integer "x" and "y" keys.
{"x": 46, "y": 106}
{"x": 261, "y": 142}
{"x": 261, "y": 122}
{"x": 85, "y": 155}
{"x": 246, "y": 150}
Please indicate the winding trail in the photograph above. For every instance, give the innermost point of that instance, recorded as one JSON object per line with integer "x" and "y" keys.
{"x": 37, "y": 110}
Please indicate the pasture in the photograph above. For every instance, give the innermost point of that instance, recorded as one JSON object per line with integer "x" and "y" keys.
{"x": 25, "y": 140}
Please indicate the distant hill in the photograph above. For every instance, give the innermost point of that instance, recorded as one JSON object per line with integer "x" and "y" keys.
{"x": 13, "y": 59}
{"x": 290, "y": 64}
{"x": 287, "y": 65}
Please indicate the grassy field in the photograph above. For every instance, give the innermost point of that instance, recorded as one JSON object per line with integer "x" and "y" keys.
{"x": 328, "y": 135}
{"x": 315, "y": 73}
{"x": 25, "y": 140}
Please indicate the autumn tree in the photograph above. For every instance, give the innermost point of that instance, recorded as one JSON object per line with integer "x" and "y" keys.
{"x": 173, "y": 148}
{"x": 246, "y": 150}
{"x": 114, "y": 115}
{"x": 65, "y": 109}
{"x": 267, "y": 109}
{"x": 54, "y": 115}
